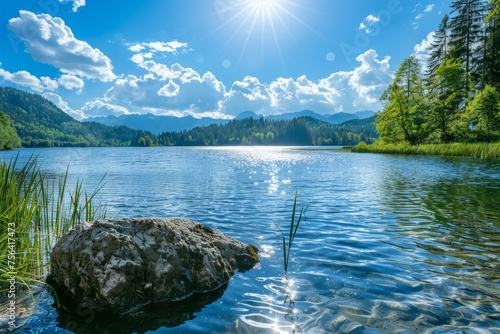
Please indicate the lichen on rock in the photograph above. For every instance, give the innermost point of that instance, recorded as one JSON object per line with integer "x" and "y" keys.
{"x": 121, "y": 265}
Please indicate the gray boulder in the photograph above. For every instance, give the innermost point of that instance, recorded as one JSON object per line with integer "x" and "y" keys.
{"x": 121, "y": 265}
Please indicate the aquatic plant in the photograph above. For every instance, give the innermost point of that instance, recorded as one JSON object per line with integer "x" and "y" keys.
{"x": 476, "y": 150}
{"x": 35, "y": 211}
{"x": 294, "y": 226}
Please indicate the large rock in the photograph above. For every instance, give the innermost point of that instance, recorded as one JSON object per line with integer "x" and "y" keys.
{"x": 120, "y": 265}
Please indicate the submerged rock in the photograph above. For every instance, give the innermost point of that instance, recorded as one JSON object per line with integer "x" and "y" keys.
{"x": 120, "y": 265}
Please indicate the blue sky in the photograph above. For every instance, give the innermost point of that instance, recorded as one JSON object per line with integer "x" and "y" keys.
{"x": 211, "y": 57}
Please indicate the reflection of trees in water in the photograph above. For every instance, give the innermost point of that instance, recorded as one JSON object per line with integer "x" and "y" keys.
{"x": 151, "y": 317}
{"x": 457, "y": 221}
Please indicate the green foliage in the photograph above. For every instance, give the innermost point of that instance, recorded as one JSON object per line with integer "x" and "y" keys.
{"x": 475, "y": 150}
{"x": 492, "y": 46}
{"x": 35, "y": 211}
{"x": 484, "y": 112}
{"x": 459, "y": 100}
{"x": 250, "y": 131}
{"x": 8, "y": 136}
{"x": 467, "y": 32}
{"x": 39, "y": 123}
{"x": 405, "y": 114}
{"x": 447, "y": 91}
{"x": 439, "y": 49}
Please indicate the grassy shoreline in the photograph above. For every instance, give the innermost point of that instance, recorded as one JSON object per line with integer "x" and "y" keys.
{"x": 35, "y": 211}
{"x": 475, "y": 150}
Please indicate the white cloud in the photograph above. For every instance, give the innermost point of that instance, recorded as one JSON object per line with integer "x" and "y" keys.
{"x": 422, "y": 47}
{"x": 429, "y": 8}
{"x": 98, "y": 108}
{"x": 26, "y": 79}
{"x": 49, "y": 84}
{"x": 356, "y": 90}
{"x": 76, "y": 4}
{"x": 173, "y": 88}
{"x": 248, "y": 94}
{"x": 419, "y": 16}
{"x": 169, "y": 47}
{"x": 421, "y": 50}
{"x": 71, "y": 82}
{"x": 49, "y": 40}
{"x": 61, "y": 104}
{"x": 179, "y": 91}
{"x": 361, "y": 88}
{"x": 369, "y": 21}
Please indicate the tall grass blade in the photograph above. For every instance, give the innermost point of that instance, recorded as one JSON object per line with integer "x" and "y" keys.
{"x": 34, "y": 214}
{"x": 293, "y": 228}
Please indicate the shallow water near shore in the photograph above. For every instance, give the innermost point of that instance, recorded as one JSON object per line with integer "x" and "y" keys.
{"x": 391, "y": 244}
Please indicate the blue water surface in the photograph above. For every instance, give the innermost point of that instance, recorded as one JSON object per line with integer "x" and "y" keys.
{"x": 391, "y": 244}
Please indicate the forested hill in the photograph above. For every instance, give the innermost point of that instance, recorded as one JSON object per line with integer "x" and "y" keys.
{"x": 251, "y": 131}
{"x": 39, "y": 123}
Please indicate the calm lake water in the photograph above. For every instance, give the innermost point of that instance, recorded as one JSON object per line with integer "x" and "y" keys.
{"x": 391, "y": 244}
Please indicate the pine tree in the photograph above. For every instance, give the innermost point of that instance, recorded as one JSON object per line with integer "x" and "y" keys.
{"x": 447, "y": 95}
{"x": 491, "y": 71}
{"x": 439, "y": 49}
{"x": 467, "y": 34}
{"x": 405, "y": 116}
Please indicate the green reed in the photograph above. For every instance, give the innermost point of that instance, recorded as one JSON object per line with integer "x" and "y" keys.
{"x": 476, "y": 150}
{"x": 36, "y": 210}
{"x": 294, "y": 226}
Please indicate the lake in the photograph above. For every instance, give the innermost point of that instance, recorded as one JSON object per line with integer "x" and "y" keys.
{"x": 391, "y": 244}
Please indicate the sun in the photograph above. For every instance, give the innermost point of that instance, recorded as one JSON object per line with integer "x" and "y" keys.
{"x": 256, "y": 23}
{"x": 264, "y": 5}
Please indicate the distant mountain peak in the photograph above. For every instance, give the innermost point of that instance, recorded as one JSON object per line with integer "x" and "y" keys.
{"x": 248, "y": 114}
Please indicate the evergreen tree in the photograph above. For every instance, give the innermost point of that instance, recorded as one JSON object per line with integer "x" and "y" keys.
{"x": 439, "y": 49}
{"x": 447, "y": 96}
{"x": 491, "y": 70}
{"x": 485, "y": 112}
{"x": 467, "y": 34}
{"x": 404, "y": 118}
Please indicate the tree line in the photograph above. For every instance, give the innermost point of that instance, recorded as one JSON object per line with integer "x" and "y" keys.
{"x": 39, "y": 123}
{"x": 251, "y": 131}
{"x": 454, "y": 96}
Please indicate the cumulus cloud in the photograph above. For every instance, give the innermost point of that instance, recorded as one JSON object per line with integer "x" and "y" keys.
{"x": 26, "y": 79}
{"x": 61, "y": 104}
{"x": 180, "y": 91}
{"x": 173, "y": 88}
{"x": 421, "y": 50}
{"x": 348, "y": 91}
{"x": 248, "y": 94}
{"x": 169, "y": 47}
{"x": 71, "y": 82}
{"x": 76, "y": 4}
{"x": 98, "y": 108}
{"x": 369, "y": 21}
{"x": 49, "y": 40}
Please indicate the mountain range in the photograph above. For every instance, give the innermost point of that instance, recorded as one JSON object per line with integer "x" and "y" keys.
{"x": 158, "y": 124}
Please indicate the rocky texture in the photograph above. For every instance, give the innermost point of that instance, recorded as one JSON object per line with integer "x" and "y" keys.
{"x": 120, "y": 265}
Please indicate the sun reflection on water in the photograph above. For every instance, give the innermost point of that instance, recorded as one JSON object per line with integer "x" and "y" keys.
{"x": 273, "y": 312}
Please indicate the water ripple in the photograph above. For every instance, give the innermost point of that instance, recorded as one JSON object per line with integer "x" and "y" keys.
{"x": 391, "y": 244}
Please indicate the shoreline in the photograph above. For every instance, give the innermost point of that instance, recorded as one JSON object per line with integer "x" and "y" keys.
{"x": 473, "y": 150}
